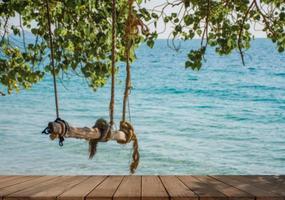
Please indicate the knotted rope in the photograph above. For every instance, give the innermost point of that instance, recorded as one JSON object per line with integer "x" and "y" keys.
{"x": 101, "y": 124}
{"x": 105, "y": 130}
{"x": 57, "y": 134}
{"x": 125, "y": 126}
{"x": 128, "y": 129}
{"x": 52, "y": 60}
{"x": 47, "y": 130}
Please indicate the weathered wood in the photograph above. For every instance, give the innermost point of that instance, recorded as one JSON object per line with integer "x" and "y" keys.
{"x": 8, "y": 178}
{"x": 83, "y": 189}
{"x": 85, "y": 132}
{"x": 15, "y": 181}
{"x": 107, "y": 189}
{"x": 176, "y": 189}
{"x": 142, "y": 187}
{"x": 3, "y": 178}
{"x": 29, "y": 192}
{"x": 52, "y": 192}
{"x": 231, "y": 192}
{"x": 260, "y": 194}
{"x": 153, "y": 189}
{"x": 265, "y": 183}
{"x": 204, "y": 190}
{"x": 130, "y": 188}
{"x": 21, "y": 186}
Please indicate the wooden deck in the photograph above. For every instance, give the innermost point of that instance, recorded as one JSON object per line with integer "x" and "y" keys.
{"x": 143, "y": 187}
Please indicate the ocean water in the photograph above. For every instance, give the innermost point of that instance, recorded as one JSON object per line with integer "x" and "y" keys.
{"x": 225, "y": 119}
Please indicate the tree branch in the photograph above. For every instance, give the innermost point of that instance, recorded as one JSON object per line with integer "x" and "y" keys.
{"x": 241, "y": 31}
{"x": 85, "y": 133}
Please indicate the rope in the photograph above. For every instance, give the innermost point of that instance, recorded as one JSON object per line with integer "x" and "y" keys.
{"x": 101, "y": 124}
{"x": 128, "y": 129}
{"x": 64, "y": 129}
{"x": 128, "y": 82}
{"x": 128, "y": 66}
{"x": 52, "y": 136}
{"x": 105, "y": 130}
{"x": 52, "y": 60}
{"x": 125, "y": 126}
{"x": 112, "y": 101}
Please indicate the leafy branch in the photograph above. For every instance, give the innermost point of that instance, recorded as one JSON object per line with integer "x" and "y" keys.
{"x": 82, "y": 34}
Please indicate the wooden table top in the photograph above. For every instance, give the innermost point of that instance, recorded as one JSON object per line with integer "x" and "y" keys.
{"x": 143, "y": 187}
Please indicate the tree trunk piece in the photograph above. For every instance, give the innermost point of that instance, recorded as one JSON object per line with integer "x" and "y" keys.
{"x": 84, "y": 133}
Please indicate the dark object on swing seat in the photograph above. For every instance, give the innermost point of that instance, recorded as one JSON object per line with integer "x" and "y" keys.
{"x": 49, "y": 130}
{"x": 105, "y": 131}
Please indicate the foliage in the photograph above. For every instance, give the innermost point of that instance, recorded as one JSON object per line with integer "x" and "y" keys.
{"x": 82, "y": 33}
{"x": 225, "y": 25}
{"x": 81, "y": 40}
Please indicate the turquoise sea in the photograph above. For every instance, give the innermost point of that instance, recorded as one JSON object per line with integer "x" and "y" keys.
{"x": 225, "y": 119}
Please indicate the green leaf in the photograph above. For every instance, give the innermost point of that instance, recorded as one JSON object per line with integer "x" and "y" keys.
{"x": 150, "y": 43}
{"x": 188, "y": 20}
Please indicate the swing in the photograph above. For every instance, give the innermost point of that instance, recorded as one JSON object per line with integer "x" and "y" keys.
{"x": 102, "y": 131}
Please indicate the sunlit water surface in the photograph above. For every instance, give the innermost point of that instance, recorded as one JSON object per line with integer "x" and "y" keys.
{"x": 225, "y": 119}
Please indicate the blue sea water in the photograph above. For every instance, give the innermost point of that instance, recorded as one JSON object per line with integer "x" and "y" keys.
{"x": 225, "y": 119}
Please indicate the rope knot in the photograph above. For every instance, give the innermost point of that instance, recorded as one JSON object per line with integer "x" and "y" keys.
{"x": 63, "y": 128}
{"x": 105, "y": 134}
{"x": 128, "y": 129}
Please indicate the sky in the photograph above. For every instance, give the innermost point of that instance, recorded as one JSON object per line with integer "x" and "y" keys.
{"x": 256, "y": 31}
{"x": 163, "y": 31}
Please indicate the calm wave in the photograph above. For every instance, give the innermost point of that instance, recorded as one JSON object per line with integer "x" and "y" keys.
{"x": 225, "y": 119}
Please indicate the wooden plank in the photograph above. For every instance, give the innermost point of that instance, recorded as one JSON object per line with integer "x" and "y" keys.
{"x": 280, "y": 177}
{"x": 145, "y": 188}
{"x": 176, "y": 189}
{"x": 52, "y": 192}
{"x": 106, "y": 189}
{"x": 275, "y": 184}
{"x": 204, "y": 190}
{"x": 4, "y": 178}
{"x": 231, "y": 192}
{"x": 15, "y": 181}
{"x": 28, "y": 184}
{"x": 130, "y": 188}
{"x": 259, "y": 194}
{"x": 153, "y": 189}
{"x": 28, "y": 192}
{"x": 8, "y": 178}
{"x": 81, "y": 190}
{"x": 228, "y": 190}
